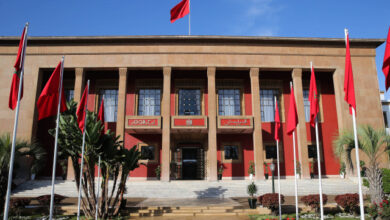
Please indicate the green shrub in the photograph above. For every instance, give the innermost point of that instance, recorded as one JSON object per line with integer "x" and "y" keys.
{"x": 366, "y": 183}
{"x": 386, "y": 180}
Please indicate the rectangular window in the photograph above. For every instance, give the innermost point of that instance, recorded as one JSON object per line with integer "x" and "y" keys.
{"x": 270, "y": 152}
{"x": 148, "y": 152}
{"x": 385, "y": 118}
{"x": 189, "y": 102}
{"x": 312, "y": 151}
{"x": 267, "y": 104}
{"x": 306, "y": 104}
{"x": 149, "y": 102}
{"x": 231, "y": 152}
{"x": 110, "y": 103}
{"x": 69, "y": 94}
{"x": 229, "y": 102}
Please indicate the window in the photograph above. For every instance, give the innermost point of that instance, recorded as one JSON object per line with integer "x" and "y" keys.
{"x": 149, "y": 102}
{"x": 385, "y": 118}
{"x": 189, "y": 102}
{"x": 267, "y": 104}
{"x": 270, "y": 152}
{"x": 69, "y": 94}
{"x": 231, "y": 152}
{"x": 229, "y": 102}
{"x": 110, "y": 104}
{"x": 306, "y": 104}
{"x": 147, "y": 152}
{"x": 312, "y": 151}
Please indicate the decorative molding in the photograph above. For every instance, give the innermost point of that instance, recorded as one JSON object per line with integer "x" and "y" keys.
{"x": 189, "y": 122}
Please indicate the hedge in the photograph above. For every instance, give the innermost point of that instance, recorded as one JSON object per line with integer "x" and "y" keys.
{"x": 386, "y": 180}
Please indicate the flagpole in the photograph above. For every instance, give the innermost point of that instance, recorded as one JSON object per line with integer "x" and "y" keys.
{"x": 358, "y": 165}
{"x": 56, "y": 141}
{"x": 295, "y": 172}
{"x": 98, "y": 185}
{"x": 277, "y": 156}
{"x": 12, "y": 158}
{"x": 82, "y": 153}
{"x": 356, "y": 152}
{"x": 318, "y": 162}
{"x": 189, "y": 18}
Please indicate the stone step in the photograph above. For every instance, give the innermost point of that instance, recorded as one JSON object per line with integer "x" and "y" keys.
{"x": 177, "y": 214}
{"x": 217, "y": 214}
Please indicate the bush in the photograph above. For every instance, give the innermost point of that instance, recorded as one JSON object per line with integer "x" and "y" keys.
{"x": 386, "y": 180}
{"x": 349, "y": 202}
{"x": 271, "y": 201}
{"x": 314, "y": 200}
{"x": 252, "y": 189}
{"x": 45, "y": 199}
{"x": 19, "y": 202}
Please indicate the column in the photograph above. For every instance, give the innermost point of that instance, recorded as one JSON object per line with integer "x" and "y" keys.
{"x": 258, "y": 151}
{"x": 212, "y": 165}
{"x": 301, "y": 128}
{"x": 166, "y": 127}
{"x": 121, "y": 113}
{"x": 78, "y": 90}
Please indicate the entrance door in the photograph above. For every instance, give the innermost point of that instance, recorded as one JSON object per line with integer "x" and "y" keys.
{"x": 190, "y": 163}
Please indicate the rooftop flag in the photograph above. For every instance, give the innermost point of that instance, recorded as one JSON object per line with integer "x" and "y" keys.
{"x": 19, "y": 64}
{"x": 48, "y": 100}
{"x": 292, "y": 117}
{"x": 180, "y": 10}
{"x": 386, "y": 62}
{"x": 313, "y": 97}
{"x": 348, "y": 80}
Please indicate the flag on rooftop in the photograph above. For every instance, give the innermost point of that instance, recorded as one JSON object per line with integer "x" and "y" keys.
{"x": 180, "y": 10}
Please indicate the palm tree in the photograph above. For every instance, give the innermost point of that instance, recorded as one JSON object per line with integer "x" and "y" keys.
{"x": 373, "y": 143}
{"x": 22, "y": 148}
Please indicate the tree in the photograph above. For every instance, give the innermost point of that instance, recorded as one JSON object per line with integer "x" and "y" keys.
{"x": 373, "y": 143}
{"x": 22, "y": 149}
{"x": 116, "y": 161}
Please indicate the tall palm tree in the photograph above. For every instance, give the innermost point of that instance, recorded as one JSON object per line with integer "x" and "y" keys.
{"x": 373, "y": 143}
{"x": 22, "y": 148}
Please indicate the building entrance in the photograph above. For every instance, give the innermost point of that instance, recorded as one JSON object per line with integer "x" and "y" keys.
{"x": 189, "y": 162}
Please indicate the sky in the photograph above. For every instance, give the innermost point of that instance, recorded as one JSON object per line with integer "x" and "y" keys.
{"x": 280, "y": 18}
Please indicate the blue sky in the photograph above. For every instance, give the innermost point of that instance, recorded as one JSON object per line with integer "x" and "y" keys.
{"x": 284, "y": 18}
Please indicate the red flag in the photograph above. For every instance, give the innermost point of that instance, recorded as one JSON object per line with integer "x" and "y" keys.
{"x": 81, "y": 110}
{"x": 180, "y": 10}
{"x": 386, "y": 62}
{"x": 277, "y": 122}
{"x": 101, "y": 112}
{"x": 348, "y": 80}
{"x": 48, "y": 100}
{"x": 313, "y": 98}
{"x": 292, "y": 117}
{"x": 13, "y": 94}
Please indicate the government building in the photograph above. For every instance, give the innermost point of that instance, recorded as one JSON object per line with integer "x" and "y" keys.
{"x": 194, "y": 104}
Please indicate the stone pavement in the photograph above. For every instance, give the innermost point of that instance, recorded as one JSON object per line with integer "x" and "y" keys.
{"x": 195, "y": 189}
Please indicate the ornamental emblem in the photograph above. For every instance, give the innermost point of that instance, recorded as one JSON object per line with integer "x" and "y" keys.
{"x": 189, "y": 122}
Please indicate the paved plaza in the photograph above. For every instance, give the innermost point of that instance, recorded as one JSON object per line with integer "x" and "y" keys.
{"x": 195, "y": 189}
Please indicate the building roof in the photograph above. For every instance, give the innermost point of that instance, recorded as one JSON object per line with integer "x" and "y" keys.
{"x": 185, "y": 39}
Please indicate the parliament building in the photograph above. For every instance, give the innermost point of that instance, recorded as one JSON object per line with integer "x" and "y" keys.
{"x": 192, "y": 104}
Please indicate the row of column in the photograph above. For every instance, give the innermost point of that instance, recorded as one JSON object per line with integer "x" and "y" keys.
{"x": 212, "y": 117}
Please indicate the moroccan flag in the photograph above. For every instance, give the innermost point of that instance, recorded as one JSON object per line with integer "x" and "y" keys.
{"x": 277, "y": 122}
{"x": 180, "y": 10}
{"x": 48, "y": 100}
{"x": 19, "y": 63}
{"x": 101, "y": 112}
{"x": 81, "y": 110}
{"x": 348, "y": 80}
{"x": 386, "y": 62}
{"x": 313, "y": 98}
{"x": 292, "y": 117}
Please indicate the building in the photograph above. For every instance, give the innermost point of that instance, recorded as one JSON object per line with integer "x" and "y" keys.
{"x": 191, "y": 103}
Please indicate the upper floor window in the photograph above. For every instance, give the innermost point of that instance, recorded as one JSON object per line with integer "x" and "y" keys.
{"x": 110, "y": 103}
{"x": 267, "y": 104}
{"x": 306, "y": 104}
{"x": 189, "y": 102}
{"x": 385, "y": 118}
{"x": 229, "y": 102}
{"x": 149, "y": 102}
{"x": 69, "y": 94}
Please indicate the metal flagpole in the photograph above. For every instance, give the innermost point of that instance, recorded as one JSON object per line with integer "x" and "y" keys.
{"x": 53, "y": 178}
{"x": 12, "y": 159}
{"x": 277, "y": 157}
{"x": 98, "y": 185}
{"x": 295, "y": 173}
{"x": 319, "y": 163}
{"x": 189, "y": 18}
{"x": 358, "y": 165}
{"x": 82, "y": 153}
{"x": 356, "y": 151}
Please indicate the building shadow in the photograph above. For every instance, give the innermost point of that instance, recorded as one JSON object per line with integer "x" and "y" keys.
{"x": 212, "y": 192}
